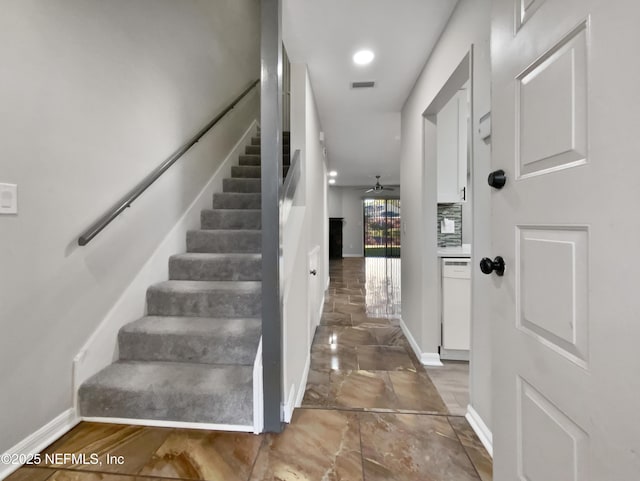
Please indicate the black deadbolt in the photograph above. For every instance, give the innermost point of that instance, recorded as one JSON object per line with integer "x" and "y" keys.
{"x": 497, "y": 179}
{"x": 487, "y": 266}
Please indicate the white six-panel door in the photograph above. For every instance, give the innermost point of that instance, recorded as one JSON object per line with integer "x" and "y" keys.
{"x": 566, "y": 129}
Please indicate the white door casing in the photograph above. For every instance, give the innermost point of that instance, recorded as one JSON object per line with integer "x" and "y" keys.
{"x": 566, "y": 368}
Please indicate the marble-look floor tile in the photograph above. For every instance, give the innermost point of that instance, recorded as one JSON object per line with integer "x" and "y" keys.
{"x": 318, "y": 389}
{"x": 317, "y": 445}
{"x": 343, "y": 336}
{"x": 476, "y": 451}
{"x": 333, "y": 357}
{"x": 384, "y": 358}
{"x": 361, "y": 390}
{"x": 390, "y": 336}
{"x": 205, "y": 455}
{"x": 135, "y": 443}
{"x": 363, "y": 320}
{"x": 350, "y": 308}
{"x": 44, "y": 474}
{"x": 338, "y": 299}
{"x": 335, "y": 319}
{"x": 30, "y": 474}
{"x": 416, "y": 392}
{"x": 452, "y": 381}
{"x": 402, "y": 447}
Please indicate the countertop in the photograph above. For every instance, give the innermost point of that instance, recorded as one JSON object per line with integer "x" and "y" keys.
{"x": 461, "y": 251}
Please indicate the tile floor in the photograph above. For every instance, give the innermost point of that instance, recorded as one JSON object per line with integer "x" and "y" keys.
{"x": 452, "y": 382}
{"x": 370, "y": 413}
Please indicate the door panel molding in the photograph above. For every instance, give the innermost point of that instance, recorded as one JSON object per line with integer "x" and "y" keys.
{"x": 552, "y": 288}
{"x": 524, "y": 11}
{"x": 551, "y": 446}
{"x": 551, "y": 108}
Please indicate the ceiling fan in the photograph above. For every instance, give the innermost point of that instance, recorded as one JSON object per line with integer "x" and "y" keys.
{"x": 378, "y": 187}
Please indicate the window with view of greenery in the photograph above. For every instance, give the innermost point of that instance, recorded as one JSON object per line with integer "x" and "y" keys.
{"x": 382, "y": 224}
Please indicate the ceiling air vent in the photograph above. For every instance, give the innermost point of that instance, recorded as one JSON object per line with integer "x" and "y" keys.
{"x": 363, "y": 85}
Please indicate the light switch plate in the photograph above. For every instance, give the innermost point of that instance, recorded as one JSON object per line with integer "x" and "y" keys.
{"x": 8, "y": 199}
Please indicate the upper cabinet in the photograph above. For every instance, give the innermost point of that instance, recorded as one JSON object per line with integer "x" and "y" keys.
{"x": 453, "y": 149}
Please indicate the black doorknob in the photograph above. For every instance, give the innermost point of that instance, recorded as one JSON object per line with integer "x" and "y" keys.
{"x": 497, "y": 179}
{"x": 487, "y": 266}
{"x": 313, "y": 272}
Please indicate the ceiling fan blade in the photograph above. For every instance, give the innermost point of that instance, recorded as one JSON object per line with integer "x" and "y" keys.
{"x": 370, "y": 190}
{"x": 388, "y": 188}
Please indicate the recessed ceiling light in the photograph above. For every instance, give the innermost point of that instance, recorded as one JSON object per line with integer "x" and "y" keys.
{"x": 363, "y": 57}
{"x": 332, "y": 181}
{"x": 333, "y": 173}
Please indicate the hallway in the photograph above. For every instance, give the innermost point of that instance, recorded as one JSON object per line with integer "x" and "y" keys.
{"x": 370, "y": 413}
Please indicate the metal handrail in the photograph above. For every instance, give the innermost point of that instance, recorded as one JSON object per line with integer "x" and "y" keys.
{"x": 290, "y": 185}
{"x": 134, "y": 193}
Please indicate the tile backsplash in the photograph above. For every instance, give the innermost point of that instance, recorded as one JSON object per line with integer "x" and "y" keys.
{"x": 453, "y": 212}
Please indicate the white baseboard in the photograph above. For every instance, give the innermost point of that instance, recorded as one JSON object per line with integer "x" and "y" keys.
{"x": 258, "y": 392}
{"x": 172, "y": 424}
{"x": 454, "y": 354}
{"x": 425, "y": 358}
{"x": 289, "y": 405}
{"x": 431, "y": 359}
{"x": 100, "y": 350}
{"x": 480, "y": 428}
{"x": 42, "y": 438}
{"x": 303, "y": 382}
{"x": 353, "y": 255}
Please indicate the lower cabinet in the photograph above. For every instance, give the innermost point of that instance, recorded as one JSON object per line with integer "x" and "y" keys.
{"x": 456, "y": 308}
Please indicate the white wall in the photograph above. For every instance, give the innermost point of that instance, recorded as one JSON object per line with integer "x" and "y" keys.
{"x": 93, "y": 96}
{"x": 469, "y": 24}
{"x": 306, "y": 231}
{"x": 346, "y": 202}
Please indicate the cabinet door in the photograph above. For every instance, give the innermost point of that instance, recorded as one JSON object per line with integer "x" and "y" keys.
{"x": 452, "y": 149}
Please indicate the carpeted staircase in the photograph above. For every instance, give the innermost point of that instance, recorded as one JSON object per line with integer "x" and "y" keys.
{"x": 190, "y": 359}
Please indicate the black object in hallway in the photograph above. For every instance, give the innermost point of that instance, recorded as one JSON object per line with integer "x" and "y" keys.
{"x": 335, "y": 237}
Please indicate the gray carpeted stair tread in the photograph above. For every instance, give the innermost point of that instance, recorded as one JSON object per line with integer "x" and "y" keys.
{"x": 190, "y": 359}
{"x": 224, "y": 241}
{"x": 237, "y": 200}
{"x": 246, "y": 171}
{"x": 205, "y": 299}
{"x": 241, "y": 185}
{"x": 184, "y": 392}
{"x": 191, "y": 339}
{"x": 235, "y": 219}
{"x": 201, "y": 266}
{"x": 249, "y": 160}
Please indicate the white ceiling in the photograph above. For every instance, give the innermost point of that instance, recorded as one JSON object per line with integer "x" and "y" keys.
{"x": 362, "y": 127}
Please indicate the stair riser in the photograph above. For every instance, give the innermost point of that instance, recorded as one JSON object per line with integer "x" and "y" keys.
{"x": 249, "y": 160}
{"x": 252, "y": 150}
{"x": 214, "y": 303}
{"x": 198, "y": 407}
{"x": 215, "y": 270}
{"x": 140, "y": 346}
{"x": 241, "y": 185}
{"x": 246, "y": 171}
{"x": 237, "y": 219}
{"x": 255, "y": 161}
{"x": 224, "y": 242}
{"x": 230, "y": 200}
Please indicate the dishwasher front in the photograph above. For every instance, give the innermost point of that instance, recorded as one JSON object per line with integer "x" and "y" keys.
{"x": 456, "y": 304}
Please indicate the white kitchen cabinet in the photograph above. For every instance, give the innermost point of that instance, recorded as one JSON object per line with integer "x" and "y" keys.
{"x": 452, "y": 149}
{"x": 456, "y": 305}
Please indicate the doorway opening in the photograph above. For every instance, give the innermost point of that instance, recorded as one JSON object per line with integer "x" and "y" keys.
{"x": 448, "y": 155}
{"x": 382, "y": 222}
